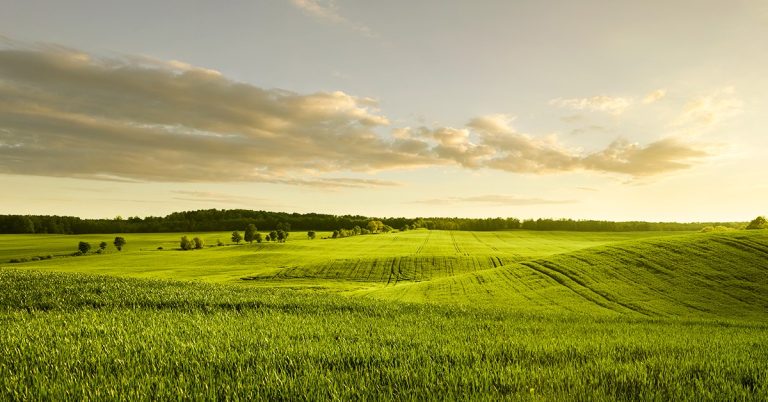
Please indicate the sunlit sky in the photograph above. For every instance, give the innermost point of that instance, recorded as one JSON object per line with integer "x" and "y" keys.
{"x": 620, "y": 110}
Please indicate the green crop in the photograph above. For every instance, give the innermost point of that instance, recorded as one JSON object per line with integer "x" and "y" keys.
{"x": 409, "y": 316}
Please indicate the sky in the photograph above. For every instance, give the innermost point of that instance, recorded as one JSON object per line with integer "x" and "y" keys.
{"x": 618, "y": 110}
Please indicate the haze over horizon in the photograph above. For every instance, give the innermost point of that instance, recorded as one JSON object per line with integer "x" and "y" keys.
{"x": 592, "y": 110}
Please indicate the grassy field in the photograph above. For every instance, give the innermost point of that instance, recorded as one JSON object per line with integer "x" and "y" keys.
{"x": 413, "y": 315}
{"x": 354, "y": 262}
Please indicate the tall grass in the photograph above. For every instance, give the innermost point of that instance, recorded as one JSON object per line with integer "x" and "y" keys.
{"x": 72, "y": 336}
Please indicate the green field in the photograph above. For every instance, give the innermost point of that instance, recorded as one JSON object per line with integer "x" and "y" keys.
{"x": 412, "y": 315}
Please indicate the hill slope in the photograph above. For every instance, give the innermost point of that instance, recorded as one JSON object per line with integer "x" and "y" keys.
{"x": 699, "y": 275}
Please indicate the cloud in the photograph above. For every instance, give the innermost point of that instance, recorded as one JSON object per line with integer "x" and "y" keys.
{"x": 601, "y": 103}
{"x": 492, "y": 199}
{"x": 210, "y": 196}
{"x": 64, "y": 113}
{"x": 217, "y": 198}
{"x": 661, "y": 156}
{"x": 712, "y": 109}
{"x": 328, "y": 11}
{"x": 654, "y": 96}
{"x": 496, "y": 144}
{"x": 592, "y": 128}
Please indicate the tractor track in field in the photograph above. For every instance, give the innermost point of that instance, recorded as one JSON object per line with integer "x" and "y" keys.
{"x": 592, "y": 295}
{"x": 424, "y": 243}
{"x": 456, "y": 246}
{"x": 486, "y": 244}
{"x": 740, "y": 244}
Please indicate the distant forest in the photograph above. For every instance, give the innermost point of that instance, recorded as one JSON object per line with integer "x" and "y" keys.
{"x": 210, "y": 220}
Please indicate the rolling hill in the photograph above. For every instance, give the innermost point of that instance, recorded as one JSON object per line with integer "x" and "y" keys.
{"x": 721, "y": 275}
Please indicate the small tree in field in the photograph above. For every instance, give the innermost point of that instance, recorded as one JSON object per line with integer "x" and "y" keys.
{"x": 237, "y": 237}
{"x": 119, "y": 243}
{"x": 185, "y": 243}
{"x": 282, "y": 236}
{"x": 258, "y": 238}
{"x": 758, "y": 223}
{"x": 311, "y": 234}
{"x": 250, "y": 232}
{"x": 198, "y": 243}
{"x": 103, "y": 246}
{"x": 273, "y": 235}
{"x": 84, "y": 247}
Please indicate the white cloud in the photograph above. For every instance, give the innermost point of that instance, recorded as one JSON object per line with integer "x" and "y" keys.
{"x": 654, "y": 96}
{"x": 711, "y": 109}
{"x": 601, "y": 103}
{"x": 328, "y": 11}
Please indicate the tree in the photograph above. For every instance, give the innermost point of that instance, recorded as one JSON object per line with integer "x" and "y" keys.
{"x": 119, "y": 243}
{"x": 237, "y": 237}
{"x": 282, "y": 236}
{"x": 185, "y": 243}
{"x": 758, "y": 223}
{"x": 375, "y": 226}
{"x": 267, "y": 238}
{"x": 102, "y": 245}
{"x": 335, "y": 234}
{"x": 311, "y": 234}
{"x": 250, "y": 231}
{"x": 198, "y": 243}
{"x": 273, "y": 235}
{"x": 84, "y": 247}
{"x": 23, "y": 224}
{"x": 258, "y": 238}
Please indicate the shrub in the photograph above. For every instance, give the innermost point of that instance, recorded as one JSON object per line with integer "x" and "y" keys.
{"x": 14, "y": 261}
{"x": 35, "y": 259}
{"x": 160, "y": 248}
{"x": 185, "y": 243}
{"x": 119, "y": 243}
{"x": 84, "y": 247}
{"x": 250, "y": 232}
{"x": 198, "y": 243}
{"x": 100, "y": 251}
{"x": 758, "y": 223}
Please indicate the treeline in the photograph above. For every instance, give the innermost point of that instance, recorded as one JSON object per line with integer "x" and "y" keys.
{"x": 211, "y": 220}
{"x": 563, "y": 224}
